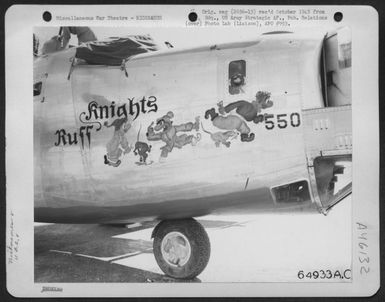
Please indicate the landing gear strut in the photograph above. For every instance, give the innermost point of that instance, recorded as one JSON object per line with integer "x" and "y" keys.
{"x": 181, "y": 248}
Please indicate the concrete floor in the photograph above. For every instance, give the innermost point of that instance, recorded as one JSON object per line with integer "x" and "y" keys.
{"x": 253, "y": 248}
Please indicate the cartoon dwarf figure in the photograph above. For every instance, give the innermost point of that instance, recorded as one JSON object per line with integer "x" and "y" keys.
{"x": 165, "y": 131}
{"x": 118, "y": 143}
{"x": 249, "y": 110}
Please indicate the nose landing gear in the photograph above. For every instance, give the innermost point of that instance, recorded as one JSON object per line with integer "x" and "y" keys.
{"x": 181, "y": 248}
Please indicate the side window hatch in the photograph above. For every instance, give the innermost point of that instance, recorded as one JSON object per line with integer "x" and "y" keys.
{"x": 237, "y": 77}
{"x": 37, "y": 88}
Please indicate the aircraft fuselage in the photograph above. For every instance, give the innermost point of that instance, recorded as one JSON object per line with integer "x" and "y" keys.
{"x": 179, "y": 134}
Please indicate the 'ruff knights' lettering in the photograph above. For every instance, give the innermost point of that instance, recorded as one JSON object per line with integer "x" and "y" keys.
{"x": 97, "y": 112}
{"x": 64, "y": 137}
{"x": 133, "y": 108}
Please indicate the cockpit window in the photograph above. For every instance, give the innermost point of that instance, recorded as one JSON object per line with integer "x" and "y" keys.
{"x": 237, "y": 76}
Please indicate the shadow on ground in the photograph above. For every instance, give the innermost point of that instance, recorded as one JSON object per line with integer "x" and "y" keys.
{"x": 58, "y": 248}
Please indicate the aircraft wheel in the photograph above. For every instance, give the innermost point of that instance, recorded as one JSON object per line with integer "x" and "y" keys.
{"x": 181, "y": 248}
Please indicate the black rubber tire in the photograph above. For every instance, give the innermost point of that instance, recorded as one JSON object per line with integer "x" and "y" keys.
{"x": 199, "y": 242}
